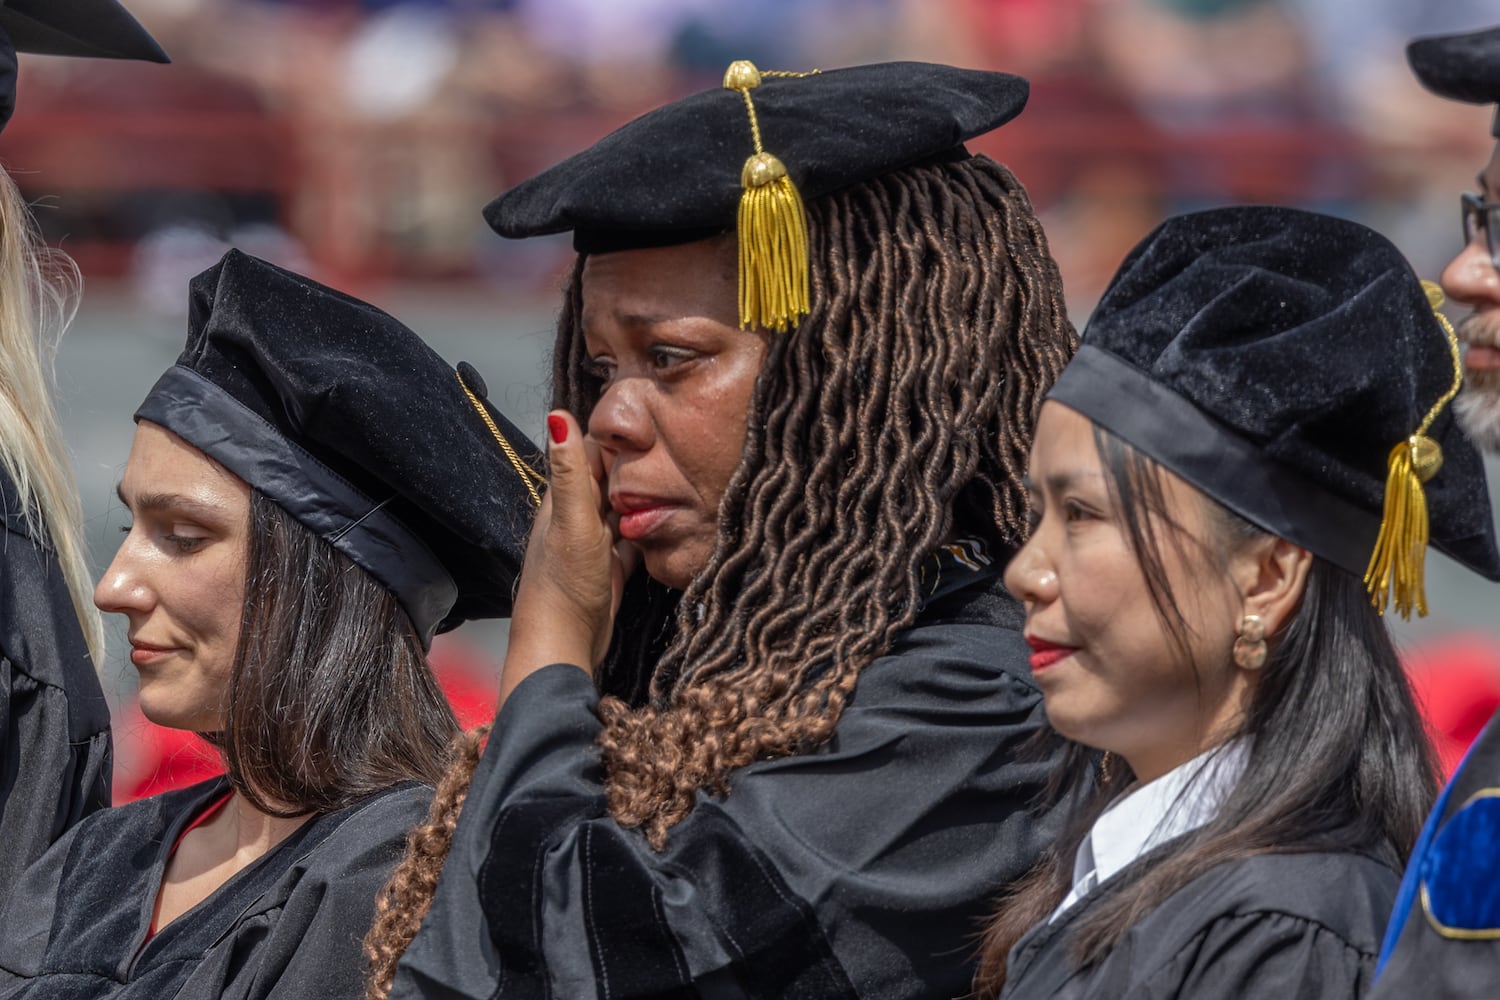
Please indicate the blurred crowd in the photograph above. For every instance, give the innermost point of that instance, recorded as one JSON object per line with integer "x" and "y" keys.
{"x": 359, "y": 138}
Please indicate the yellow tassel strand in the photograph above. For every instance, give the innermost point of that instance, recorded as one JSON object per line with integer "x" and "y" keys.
{"x": 772, "y": 226}
{"x": 1397, "y": 569}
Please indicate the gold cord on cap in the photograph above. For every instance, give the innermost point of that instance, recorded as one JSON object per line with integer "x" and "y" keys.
{"x": 1397, "y": 566}
{"x": 772, "y": 227}
{"x": 529, "y": 476}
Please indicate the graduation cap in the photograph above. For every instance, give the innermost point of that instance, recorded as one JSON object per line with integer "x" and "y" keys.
{"x": 1462, "y": 67}
{"x": 1292, "y": 367}
{"x": 360, "y": 431}
{"x": 100, "y": 28}
{"x": 744, "y": 157}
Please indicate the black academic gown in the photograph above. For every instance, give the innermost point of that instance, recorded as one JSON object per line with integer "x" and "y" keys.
{"x": 1274, "y": 927}
{"x": 290, "y": 926}
{"x": 862, "y": 869}
{"x": 1444, "y": 938}
{"x": 54, "y": 722}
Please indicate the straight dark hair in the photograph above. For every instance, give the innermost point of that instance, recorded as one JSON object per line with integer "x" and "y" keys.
{"x": 1332, "y": 691}
{"x": 330, "y": 698}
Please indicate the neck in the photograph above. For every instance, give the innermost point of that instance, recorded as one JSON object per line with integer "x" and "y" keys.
{"x": 253, "y": 832}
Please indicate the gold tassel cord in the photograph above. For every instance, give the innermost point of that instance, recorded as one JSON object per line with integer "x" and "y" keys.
{"x": 772, "y": 225}
{"x": 529, "y": 476}
{"x": 1397, "y": 569}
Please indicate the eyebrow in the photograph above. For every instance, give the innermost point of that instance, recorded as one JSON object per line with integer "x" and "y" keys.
{"x": 630, "y": 319}
{"x": 155, "y": 502}
{"x": 1060, "y": 481}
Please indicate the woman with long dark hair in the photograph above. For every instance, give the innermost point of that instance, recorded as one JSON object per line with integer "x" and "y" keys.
{"x": 313, "y": 493}
{"x": 788, "y": 765}
{"x": 1238, "y": 471}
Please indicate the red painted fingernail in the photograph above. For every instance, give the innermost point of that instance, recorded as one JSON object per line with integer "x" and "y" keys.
{"x": 558, "y": 428}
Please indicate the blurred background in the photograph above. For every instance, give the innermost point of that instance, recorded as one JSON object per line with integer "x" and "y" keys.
{"x": 357, "y": 140}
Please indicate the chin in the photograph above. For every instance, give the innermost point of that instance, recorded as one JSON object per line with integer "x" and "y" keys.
{"x": 1478, "y": 409}
{"x": 170, "y": 716}
{"x": 674, "y": 568}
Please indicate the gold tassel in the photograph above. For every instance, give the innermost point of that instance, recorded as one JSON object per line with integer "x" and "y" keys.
{"x": 772, "y": 227}
{"x": 773, "y": 247}
{"x": 1397, "y": 569}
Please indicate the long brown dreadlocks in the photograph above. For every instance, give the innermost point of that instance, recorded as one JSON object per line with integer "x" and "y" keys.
{"x": 902, "y": 405}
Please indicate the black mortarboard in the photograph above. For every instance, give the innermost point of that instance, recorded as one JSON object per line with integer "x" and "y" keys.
{"x": 1281, "y": 361}
{"x": 692, "y": 169}
{"x": 1464, "y": 67}
{"x": 360, "y": 431}
{"x": 100, "y": 28}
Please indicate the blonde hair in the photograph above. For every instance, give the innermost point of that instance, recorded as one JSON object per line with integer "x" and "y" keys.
{"x": 39, "y": 289}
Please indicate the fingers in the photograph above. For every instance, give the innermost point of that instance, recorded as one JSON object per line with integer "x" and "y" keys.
{"x": 573, "y": 486}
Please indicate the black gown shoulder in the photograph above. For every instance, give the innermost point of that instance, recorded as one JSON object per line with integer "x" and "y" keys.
{"x": 1444, "y": 939}
{"x": 863, "y": 869}
{"x": 291, "y": 925}
{"x": 1272, "y": 927}
{"x": 55, "y": 752}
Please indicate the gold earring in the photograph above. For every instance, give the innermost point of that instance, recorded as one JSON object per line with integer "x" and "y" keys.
{"x": 1250, "y": 643}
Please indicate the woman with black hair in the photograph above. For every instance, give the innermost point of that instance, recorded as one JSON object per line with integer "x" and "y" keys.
{"x": 796, "y": 773}
{"x": 313, "y": 493}
{"x": 1228, "y": 482}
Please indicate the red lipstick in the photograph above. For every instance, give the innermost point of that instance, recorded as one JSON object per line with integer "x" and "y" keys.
{"x": 640, "y": 515}
{"x": 1044, "y": 654}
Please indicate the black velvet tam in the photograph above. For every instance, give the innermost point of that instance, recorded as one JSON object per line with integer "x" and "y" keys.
{"x": 67, "y": 28}
{"x": 673, "y": 175}
{"x": 360, "y": 431}
{"x": 100, "y": 28}
{"x": 1464, "y": 67}
{"x": 1273, "y": 358}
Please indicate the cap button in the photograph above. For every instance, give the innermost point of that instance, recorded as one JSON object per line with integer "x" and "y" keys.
{"x": 1426, "y": 456}
{"x": 741, "y": 75}
{"x": 760, "y": 170}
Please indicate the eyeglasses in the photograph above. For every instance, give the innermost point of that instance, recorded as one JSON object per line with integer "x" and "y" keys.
{"x": 1479, "y": 214}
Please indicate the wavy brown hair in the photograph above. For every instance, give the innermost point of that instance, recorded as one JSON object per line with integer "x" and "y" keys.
{"x": 905, "y": 398}
{"x": 902, "y": 405}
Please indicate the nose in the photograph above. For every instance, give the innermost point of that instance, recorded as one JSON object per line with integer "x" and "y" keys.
{"x": 123, "y": 589}
{"x": 1471, "y": 277}
{"x": 621, "y": 419}
{"x": 1030, "y": 577}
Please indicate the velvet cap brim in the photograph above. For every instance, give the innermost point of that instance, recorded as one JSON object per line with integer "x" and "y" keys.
{"x": 1461, "y": 67}
{"x": 1273, "y": 358}
{"x": 359, "y": 430}
{"x": 673, "y": 175}
{"x": 98, "y": 28}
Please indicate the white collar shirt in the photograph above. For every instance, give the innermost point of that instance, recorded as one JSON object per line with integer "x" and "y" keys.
{"x": 1144, "y": 818}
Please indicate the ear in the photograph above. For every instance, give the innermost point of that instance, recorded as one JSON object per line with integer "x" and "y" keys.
{"x": 1273, "y": 579}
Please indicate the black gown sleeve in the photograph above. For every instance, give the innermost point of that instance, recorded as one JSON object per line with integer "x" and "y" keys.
{"x": 55, "y": 751}
{"x": 862, "y": 869}
{"x": 1263, "y": 956}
